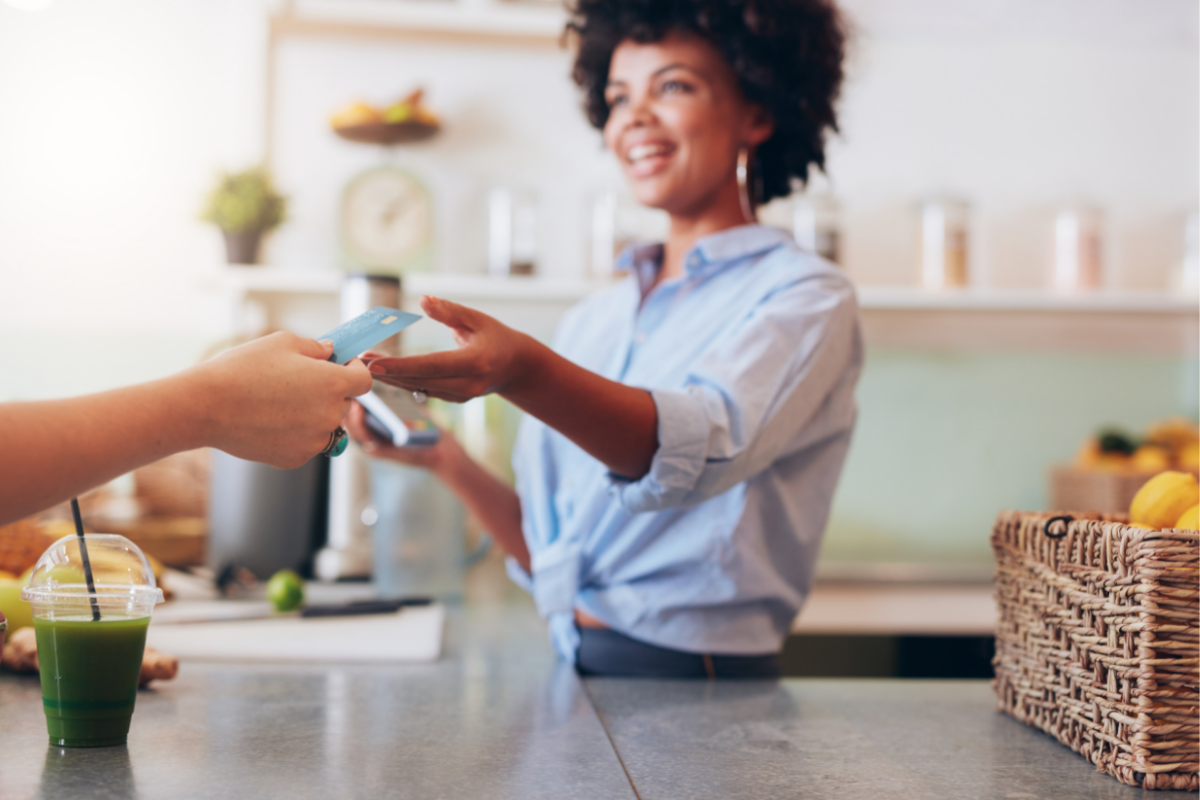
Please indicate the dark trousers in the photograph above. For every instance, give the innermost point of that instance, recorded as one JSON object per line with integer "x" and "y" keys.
{"x": 606, "y": 653}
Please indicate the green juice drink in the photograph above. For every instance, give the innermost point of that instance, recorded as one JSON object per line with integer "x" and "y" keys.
{"x": 91, "y": 636}
{"x": 90, "y": 675}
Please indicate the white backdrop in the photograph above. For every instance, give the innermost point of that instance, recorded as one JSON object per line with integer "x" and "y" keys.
{"x": 114, "y": 115}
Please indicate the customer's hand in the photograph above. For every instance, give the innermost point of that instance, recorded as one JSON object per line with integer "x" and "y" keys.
{"x": 491, "y": 357}
{"x": 276, "y": 399}
{"x": 437, "y": 458}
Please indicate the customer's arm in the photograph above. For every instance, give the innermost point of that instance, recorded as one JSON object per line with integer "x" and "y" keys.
{"x": 493, "y": 502}
{"x": 274, "y": 400}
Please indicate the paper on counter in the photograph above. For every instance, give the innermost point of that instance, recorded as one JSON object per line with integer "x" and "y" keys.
{"x": 413, "y": 635}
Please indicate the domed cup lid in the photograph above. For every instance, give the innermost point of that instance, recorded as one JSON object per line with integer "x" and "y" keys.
{"x": 121, "y": 575}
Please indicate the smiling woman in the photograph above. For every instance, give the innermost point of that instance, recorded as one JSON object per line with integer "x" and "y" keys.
{"x": 782, "y": 56}
{"x": 659, "y": 124}
{"x": 684, "y": 436}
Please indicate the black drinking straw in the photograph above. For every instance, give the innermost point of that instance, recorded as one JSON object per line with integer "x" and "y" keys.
{"x": 87, "y": 565}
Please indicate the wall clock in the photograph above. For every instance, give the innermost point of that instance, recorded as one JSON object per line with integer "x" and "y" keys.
{"x": 387, "y": 222}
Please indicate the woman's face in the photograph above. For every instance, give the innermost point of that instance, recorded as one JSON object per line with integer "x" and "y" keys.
{"x": 677, "y": 120}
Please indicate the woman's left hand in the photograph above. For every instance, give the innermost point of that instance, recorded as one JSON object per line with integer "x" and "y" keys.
{"x": 615, "y": 423}
{"x": 491, "y": 357}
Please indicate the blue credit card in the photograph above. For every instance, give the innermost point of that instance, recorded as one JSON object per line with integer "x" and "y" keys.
{"x": 367, "y": 330}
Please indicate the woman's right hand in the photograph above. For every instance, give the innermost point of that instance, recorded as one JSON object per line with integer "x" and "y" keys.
{"x": 276, "y": 399}
{"x": 436, "y": 458}
{"x": 493, "y": 503}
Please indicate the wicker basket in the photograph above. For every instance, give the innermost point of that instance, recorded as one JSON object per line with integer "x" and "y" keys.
{"x": 175, "y": 541}
{"x": 176, "y": 486}
{"x": 22, "y": 544}
{"x": 1098, "y": 641}
{"x": 1104, "y": 492}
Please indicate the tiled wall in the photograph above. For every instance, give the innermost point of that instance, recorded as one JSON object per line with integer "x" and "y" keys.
{"x": 945, "y": 441}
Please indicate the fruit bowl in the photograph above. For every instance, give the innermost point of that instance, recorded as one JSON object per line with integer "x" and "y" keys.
{"x": 387, "y": 133}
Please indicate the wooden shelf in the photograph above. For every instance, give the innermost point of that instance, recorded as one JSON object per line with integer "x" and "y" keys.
{"x": 254, "y": 280}
{"x": 273, "y": 280}
{"x": 1028, "y": 320}
{"x": 281, "y": 280}
{"x": 903, "y": 298}
{"x": 481, "y": 287}
{"x": 898, "y": 318}
{"x": 472, "y": 20}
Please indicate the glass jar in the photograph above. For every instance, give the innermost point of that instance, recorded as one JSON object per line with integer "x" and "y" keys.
{"x": 616, "y": 223}
{"x": 512, "y": 232}
{"x": 1077, "y": 264}
{"x": 816, "y": 225}
{"x": 1187, "y": 276}
{"x": 942, "y": 260}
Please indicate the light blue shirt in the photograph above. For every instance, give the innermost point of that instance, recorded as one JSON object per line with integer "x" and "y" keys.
{"x": 751, "y": 357}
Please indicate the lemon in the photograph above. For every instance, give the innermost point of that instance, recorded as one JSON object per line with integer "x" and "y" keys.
{"x": 19, "y": 613}
{"x": 1150, "y": 458}
{"x": 285, "y": 590}
{"x": 1190, "y": 519}
{"x": 1163, "y": 498}
{"x": 1189, "y": 457}
{"x": 1111, "y": 462}
{"x": 1176, "y": 433}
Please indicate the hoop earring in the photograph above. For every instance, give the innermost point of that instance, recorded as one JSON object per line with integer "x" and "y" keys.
{"x": 743, "y": 181}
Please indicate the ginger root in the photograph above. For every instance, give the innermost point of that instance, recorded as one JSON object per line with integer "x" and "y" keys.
{"x": 157, "y": 666}
{"x": 20, "y": 655}
{"x": 20, "y": 651}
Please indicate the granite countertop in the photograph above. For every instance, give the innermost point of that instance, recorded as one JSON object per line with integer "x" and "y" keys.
{"x": 821, "y": 739}
{"x": 498, "y": 717}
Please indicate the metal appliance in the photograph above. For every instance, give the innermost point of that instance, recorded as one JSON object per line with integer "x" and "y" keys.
{"x": 265, "y": 519}
{"x": 347, "y": 551}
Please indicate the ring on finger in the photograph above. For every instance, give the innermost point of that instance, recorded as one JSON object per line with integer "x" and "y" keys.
{"x": 338, "y": 440}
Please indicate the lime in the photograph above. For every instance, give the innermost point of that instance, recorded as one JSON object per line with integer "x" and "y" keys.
{"x": 285, "y": 590}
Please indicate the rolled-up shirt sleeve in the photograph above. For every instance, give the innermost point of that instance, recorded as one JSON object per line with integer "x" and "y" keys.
{"x": 517, "y": 574}
{"x": 758, "y": 394}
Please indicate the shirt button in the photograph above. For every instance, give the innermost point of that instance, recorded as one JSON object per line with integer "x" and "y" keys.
{"x": 694, "y": 260}
{"x": 639, "y": 337}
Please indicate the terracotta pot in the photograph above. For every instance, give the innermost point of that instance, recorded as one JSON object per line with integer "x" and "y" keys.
{"x": 242, "y": 247}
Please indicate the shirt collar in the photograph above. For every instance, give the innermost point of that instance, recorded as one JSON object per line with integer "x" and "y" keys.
{"x": 731, "y": 244}
{"x": 645, "y": 260}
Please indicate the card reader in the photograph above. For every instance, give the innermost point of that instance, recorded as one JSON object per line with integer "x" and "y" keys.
{"x": 395, "y": 417}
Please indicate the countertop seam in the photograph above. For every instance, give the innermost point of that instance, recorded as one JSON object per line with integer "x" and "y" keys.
{"x": 611, "y": 742}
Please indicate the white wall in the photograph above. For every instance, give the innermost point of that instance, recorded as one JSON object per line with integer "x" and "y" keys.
{"x": 114, "y": 115}
{"x": 1020, "y": 105}
{"x": 510, "y": 117}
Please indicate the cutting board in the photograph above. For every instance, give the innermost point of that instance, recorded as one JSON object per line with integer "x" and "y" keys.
{"x": 414, "y": 634}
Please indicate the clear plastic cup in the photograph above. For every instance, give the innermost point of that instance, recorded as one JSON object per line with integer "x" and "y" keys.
{"x": 91, "y": 640}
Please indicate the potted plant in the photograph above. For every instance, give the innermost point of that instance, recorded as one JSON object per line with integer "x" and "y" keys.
{"x": 244, "y": 205}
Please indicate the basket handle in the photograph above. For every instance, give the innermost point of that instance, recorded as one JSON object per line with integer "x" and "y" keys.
{"x": 1065, "y": 519}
